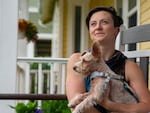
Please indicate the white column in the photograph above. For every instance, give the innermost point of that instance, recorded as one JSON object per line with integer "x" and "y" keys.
{"x": 8, "y": 49}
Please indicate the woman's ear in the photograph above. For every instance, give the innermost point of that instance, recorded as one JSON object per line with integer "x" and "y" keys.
{"x": 117, "y": 31}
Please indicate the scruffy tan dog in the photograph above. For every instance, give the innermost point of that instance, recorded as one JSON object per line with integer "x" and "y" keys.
{"x": 92, "y": 64}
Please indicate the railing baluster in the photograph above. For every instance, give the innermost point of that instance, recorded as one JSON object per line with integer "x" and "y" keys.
{"x": 40, "y": 81}
{"x": 27, "y": 79}
{"x": 40, "y": 78}
{"x": 63, "y": 79}
{"x": 52, "y": 78}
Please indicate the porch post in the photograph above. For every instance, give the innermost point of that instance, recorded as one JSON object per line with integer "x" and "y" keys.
{"x": 8, "y": 50}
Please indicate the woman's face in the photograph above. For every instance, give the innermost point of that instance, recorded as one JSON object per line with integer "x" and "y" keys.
{"x": 101, "y": 27}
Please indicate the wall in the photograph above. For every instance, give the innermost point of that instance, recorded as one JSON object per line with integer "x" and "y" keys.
{"x": 144, "y": 11}
{"x": 145, "y": 19}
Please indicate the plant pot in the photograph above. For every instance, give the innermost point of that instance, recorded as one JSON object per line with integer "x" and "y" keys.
{"x": 21, "y": 35}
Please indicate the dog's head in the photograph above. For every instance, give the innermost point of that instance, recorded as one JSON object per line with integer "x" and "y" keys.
{"x": 89, "y": 60}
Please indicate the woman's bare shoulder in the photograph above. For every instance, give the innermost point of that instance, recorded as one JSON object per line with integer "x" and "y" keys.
{"x": 133, "y": 67}
{"x": 75, "y": 55}
{"x": 137, "y": 81}
{"x": 74, "y": 58}
{"x": 135, "y": 75}
{"x": 133, "y": 70}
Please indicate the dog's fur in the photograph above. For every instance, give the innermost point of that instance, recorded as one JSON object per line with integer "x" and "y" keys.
{"x": 90, "y": 62}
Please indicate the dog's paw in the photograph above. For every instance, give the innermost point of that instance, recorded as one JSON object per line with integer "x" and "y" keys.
{"x": 78, "y": 110}
{"x": 77, "y": 100}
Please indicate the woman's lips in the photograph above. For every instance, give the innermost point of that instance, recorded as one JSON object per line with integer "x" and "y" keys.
{"x": 99, "y": 34}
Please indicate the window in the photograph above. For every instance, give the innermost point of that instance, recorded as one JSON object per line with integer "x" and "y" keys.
{"x": 43, "y": 48}
{"x": 131, "y": 4}
{"x": 77, "y": 28}
{"x": 129, "y": 11}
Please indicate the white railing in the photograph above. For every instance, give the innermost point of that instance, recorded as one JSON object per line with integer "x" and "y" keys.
{"x": 56, "y": 73}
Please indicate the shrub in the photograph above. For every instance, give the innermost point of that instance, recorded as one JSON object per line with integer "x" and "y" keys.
{"x": 48, "y": 106}
{"x": 55, "y": 106}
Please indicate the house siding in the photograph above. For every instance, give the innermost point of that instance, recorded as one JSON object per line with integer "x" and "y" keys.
{"x": 145, "y": 11}
{"x": 145, "y": 19}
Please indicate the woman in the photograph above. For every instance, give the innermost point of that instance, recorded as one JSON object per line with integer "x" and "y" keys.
{"x": 103, "y": 25}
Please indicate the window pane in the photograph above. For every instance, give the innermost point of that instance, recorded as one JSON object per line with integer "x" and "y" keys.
{"x": 43, "y": 48}
{"x": 34, "y": 3}
{"x": 131, "y": 4}
{"x": 119, "y": 7}
{"x": 77, "y": 28}
{"x": 133, "y": 20}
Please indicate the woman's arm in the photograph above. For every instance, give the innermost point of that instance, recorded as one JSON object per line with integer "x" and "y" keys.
{"x": 75, "y": 84}
{"x": 136, "y": 80}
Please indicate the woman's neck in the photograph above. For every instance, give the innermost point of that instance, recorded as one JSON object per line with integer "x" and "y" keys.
{"x": 107, "y": 52}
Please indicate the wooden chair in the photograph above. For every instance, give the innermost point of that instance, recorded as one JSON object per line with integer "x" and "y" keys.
{"x": 136, "y": 35}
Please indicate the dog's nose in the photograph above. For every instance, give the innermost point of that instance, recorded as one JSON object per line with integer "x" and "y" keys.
{"x": 74, "y": 67}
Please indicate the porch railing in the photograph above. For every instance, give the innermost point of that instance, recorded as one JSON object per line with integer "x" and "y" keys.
{"x": 55, "y": 71}
{"x": 53, "y": 89}
{"x": 55, "y": 82}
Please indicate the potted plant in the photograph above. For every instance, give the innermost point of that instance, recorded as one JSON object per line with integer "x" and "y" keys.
{"x": 27, "y": 29}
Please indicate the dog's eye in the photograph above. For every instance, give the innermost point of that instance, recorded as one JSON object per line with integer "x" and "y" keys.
{"x": 83, "y": 53}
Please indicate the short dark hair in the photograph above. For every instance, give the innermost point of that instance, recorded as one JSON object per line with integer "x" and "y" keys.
{"x": 117, "y": 19}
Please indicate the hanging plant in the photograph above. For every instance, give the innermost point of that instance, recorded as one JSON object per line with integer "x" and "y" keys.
{"x": 27, "y": 30}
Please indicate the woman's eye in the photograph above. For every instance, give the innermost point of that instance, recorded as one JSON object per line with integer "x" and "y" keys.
{"x": 104, "y": 22}
{"x": 93, "y": 24}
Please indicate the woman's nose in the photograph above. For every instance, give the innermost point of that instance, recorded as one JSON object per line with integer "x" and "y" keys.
{"x": 99, "y": 26}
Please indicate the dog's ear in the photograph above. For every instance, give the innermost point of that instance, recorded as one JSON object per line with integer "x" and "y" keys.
{"x": 96, "y": 50}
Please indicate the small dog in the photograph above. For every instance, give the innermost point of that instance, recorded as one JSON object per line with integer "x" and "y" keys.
{"x": 92, "y": 64}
